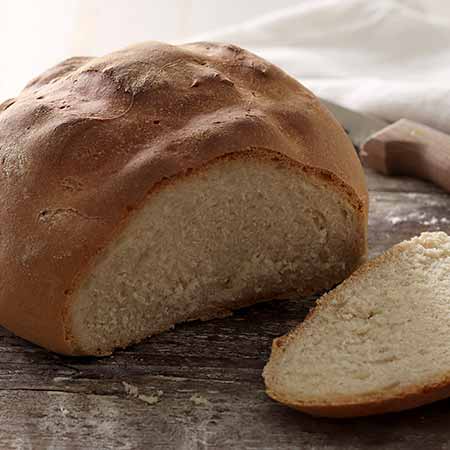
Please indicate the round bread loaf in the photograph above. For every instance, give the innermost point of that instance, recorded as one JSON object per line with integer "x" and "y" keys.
{"x": 162, "y": 183}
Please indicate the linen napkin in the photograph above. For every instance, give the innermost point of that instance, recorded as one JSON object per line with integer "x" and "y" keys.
{"x": 390, "y": 58}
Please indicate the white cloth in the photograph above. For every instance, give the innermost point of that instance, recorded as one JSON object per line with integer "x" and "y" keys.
{"x": 390, "y": 58}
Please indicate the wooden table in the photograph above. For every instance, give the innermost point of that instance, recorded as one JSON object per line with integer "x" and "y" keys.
{"x": 206, "y": 377}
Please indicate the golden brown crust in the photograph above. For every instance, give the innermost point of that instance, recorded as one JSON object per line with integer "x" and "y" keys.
{"x": 421, "y": 395}
{"x": 84, "y": 144}
{"x": 377, "y": 403}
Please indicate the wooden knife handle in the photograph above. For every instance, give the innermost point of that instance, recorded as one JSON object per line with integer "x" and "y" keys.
{"x": 411, "y": 149}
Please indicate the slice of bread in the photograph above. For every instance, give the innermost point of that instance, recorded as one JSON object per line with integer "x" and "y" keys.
{"x": 379, "y": 342}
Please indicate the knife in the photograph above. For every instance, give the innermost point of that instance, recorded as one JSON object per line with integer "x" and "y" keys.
{"x": 404, "y": 147}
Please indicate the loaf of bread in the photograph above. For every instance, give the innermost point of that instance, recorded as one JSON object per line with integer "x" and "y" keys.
{"x": 379, "y": 342}
{"x": 160, "y": 184}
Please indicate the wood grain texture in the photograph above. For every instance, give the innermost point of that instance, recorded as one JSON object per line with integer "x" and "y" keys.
{"x": 207, "y": 376}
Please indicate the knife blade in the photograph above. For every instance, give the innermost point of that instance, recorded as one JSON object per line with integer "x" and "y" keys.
{"x": 358, "y": 126}
{"x": 402, "y": 148}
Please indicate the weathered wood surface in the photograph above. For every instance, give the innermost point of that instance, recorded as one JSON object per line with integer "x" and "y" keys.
{"x": 211, "y": 395}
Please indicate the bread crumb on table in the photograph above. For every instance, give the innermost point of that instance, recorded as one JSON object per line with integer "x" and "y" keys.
{"x": 149, "y": 399}
{"x": 130, "y": 389}
{"x": 199, "y": 400}
{"x": 133, "y": 391}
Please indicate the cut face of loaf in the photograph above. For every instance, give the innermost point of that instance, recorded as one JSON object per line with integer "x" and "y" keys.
{"x": 242, "y": 230}
{"x": 379, "y": 342}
